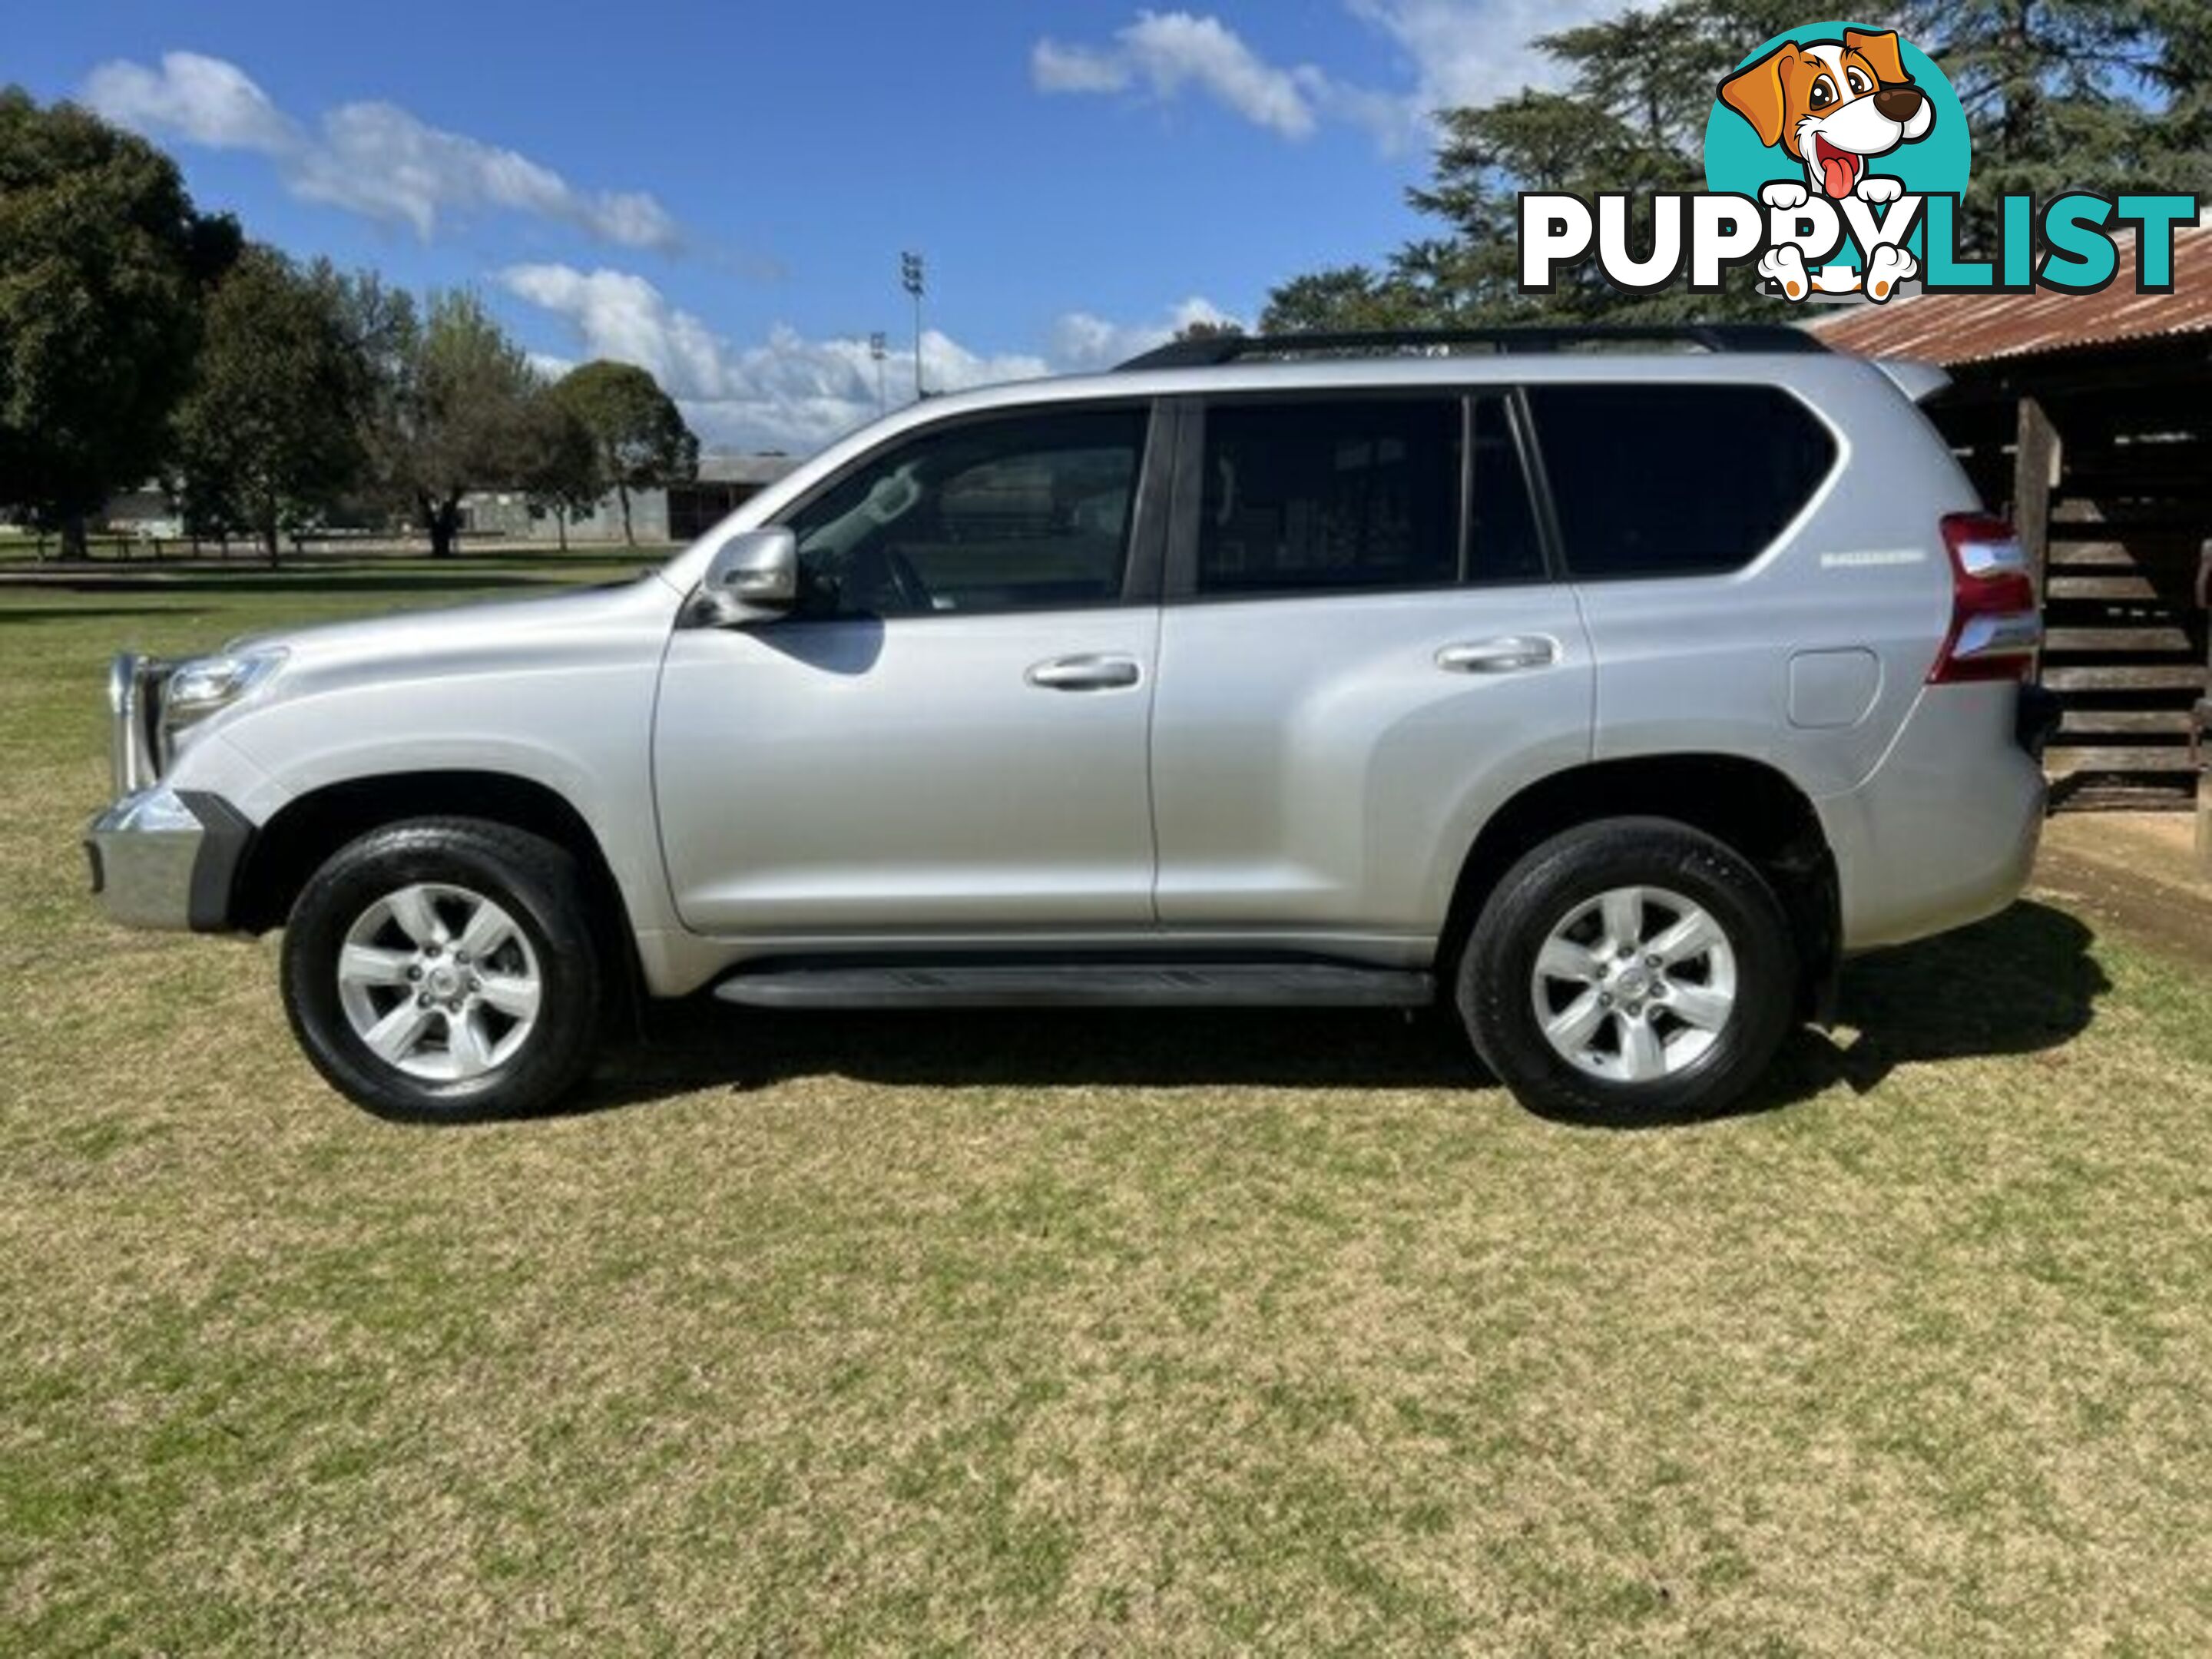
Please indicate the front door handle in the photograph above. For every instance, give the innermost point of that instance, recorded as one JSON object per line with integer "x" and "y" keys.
{"x": 1509, "y": 655}
{"x": 1087, "y": 673}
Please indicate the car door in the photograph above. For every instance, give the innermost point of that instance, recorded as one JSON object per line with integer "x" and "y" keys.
{"x": 1364, "y": 652}
{"x": 948, "y": 731}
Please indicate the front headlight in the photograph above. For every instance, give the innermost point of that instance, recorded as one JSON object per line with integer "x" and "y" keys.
{"x": 205, "y": 685}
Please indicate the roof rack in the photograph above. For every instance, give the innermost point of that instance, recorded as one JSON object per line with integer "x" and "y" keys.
{"x": 1217, "y": 349}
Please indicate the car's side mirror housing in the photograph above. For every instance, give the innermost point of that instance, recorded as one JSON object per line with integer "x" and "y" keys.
{"x": 754, "y": 570}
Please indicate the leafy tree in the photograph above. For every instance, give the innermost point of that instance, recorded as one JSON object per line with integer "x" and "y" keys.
{"x": 451, "y": 402}
{"x": 271, "y": 434}
{"x": 2073, "y": 94}
{"x": 1632, "y": 117}
{"x": 2179, "y": 77}
{"x": 561, "y": 474}
{"x": 103, "y": 262}
{"x": 642, "y": 441}
{"x": 382, "y": 330}
{"x": 1345, "y": 297}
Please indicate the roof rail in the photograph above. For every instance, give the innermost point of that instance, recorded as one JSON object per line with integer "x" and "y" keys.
{"x": 1214, "y": 349}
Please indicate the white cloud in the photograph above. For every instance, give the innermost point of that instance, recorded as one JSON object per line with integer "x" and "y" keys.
{"x": 1083, "y": 342}
{"x": 619, "y": 314}
{"x": 1453, "y": 52}
{"x": 201, "y": 99}
{"x": 791, "y": 392}
{"x": 1462, "y": 54}
{"x": 373, "y": 159}
{"x": 1056, "y": 68}
{"x": 1169, "y": 50}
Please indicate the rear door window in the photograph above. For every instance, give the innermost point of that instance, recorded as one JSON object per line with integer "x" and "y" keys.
{"x": 1321, "y": 495}
{"x": 1683, "y": 480}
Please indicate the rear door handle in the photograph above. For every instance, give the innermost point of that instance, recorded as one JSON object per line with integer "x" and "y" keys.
{"x": 1087, "y": 673}
{"x": 1509, "y": 655}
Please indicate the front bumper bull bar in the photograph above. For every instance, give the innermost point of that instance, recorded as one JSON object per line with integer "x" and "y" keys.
{"x": 161, "y": 857}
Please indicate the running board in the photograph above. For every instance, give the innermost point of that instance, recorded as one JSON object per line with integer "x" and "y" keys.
{"x": 1082, "y": 984}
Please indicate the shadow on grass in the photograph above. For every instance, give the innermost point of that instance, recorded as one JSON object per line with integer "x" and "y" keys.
{"x": 2020, "y": 983}
{"x": 13, "y": 613}
{"x": 306, "y": 580}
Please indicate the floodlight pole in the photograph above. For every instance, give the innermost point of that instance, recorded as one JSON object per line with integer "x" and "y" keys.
{"x": 878, "y": 349}
{"x": 911, "y": 279}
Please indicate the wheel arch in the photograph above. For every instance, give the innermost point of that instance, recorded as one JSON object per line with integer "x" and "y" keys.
{"x": 295, "y": 842}
{"x": 1748, "y": 805}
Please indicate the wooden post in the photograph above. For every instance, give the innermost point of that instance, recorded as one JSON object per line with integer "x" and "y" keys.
{"x": 2201, "y": 748}
{"x": 2037, "y": 464}
{"x": 2201, "y": 729}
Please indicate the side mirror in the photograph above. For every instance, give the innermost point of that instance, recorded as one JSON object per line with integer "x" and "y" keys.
{"x": 754, "y": 570}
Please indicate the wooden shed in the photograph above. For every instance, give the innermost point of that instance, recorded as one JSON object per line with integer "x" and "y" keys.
{"x": 2088, "y": 419}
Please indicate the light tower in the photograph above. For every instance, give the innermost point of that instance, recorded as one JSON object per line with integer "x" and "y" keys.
{"x": 910, "y": 278}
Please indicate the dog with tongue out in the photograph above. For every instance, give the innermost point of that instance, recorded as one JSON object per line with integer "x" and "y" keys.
{"x": 1832, "y": 104}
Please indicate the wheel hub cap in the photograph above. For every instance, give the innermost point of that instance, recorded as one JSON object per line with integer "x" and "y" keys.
{"x": 1634, "y": 985}
{"x": 439, "y": 983}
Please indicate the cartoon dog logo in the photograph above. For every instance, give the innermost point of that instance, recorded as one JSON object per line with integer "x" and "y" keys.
{"x": 1832, "y": 105}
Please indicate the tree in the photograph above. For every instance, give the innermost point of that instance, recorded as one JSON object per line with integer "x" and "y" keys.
{"x": 271, "y": 434}
{"x": 1632, "y": 117}
{"x": 451, "y": 407}
{"x": 643, "y": 443}
{"x": 382, "y": 331}
{"x": 2179, "y": 76}
{"x": 1344, "y": 298}
{"x": 103, "y": 263}
{"x": 561, "y": 476}
{"x": 2072, "y": 94}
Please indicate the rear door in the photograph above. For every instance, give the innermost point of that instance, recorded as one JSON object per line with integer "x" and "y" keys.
{"x": 1365, "y": 650}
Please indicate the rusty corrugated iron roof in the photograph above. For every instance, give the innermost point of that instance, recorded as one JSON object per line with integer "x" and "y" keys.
{"x": 1969, "y": 328}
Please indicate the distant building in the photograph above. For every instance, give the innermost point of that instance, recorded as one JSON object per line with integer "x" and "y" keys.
{"x": 148, "y": 513}
{"x": 678, "y": 514}
{"x": 725, "y": 483}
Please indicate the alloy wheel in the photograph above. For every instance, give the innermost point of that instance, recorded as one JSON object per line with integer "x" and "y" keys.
{"x": 1634, "y": 985}
{"x": 440, "y": 982}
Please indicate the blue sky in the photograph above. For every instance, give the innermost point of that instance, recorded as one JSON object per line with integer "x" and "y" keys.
{"x": 722, "y": 192}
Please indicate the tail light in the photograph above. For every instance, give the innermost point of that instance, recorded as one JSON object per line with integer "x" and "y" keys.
{"x": 1996, "y": 626}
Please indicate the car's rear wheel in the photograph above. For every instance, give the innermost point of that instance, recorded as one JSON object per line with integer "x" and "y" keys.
{"x": 1633, "y": 970}
{"x": 445, "y": 969}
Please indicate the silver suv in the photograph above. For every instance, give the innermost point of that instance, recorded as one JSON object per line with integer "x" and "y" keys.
{"x": 1606, "y": 688}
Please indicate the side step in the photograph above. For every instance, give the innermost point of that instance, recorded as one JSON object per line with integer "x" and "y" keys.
{"x": 1081, "y": 985}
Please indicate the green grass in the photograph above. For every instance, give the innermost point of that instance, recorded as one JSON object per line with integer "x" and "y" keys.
{"x": 1076, "y": 1334}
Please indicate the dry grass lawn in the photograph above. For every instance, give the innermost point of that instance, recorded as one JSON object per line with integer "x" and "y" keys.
{"x": 1074, "y": 1334}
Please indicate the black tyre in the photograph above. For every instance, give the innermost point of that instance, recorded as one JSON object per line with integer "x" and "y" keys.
{"x": 445, "y": 969}
{"x": 1630, "y": 971}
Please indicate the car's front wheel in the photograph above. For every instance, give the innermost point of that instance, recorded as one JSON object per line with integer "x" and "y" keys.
{"x": 1633, "y": 970}
{"x": 445, "y": 969}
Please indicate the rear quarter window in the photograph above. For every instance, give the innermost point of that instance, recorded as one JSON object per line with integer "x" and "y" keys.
{"x": 1676, "y": 480}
